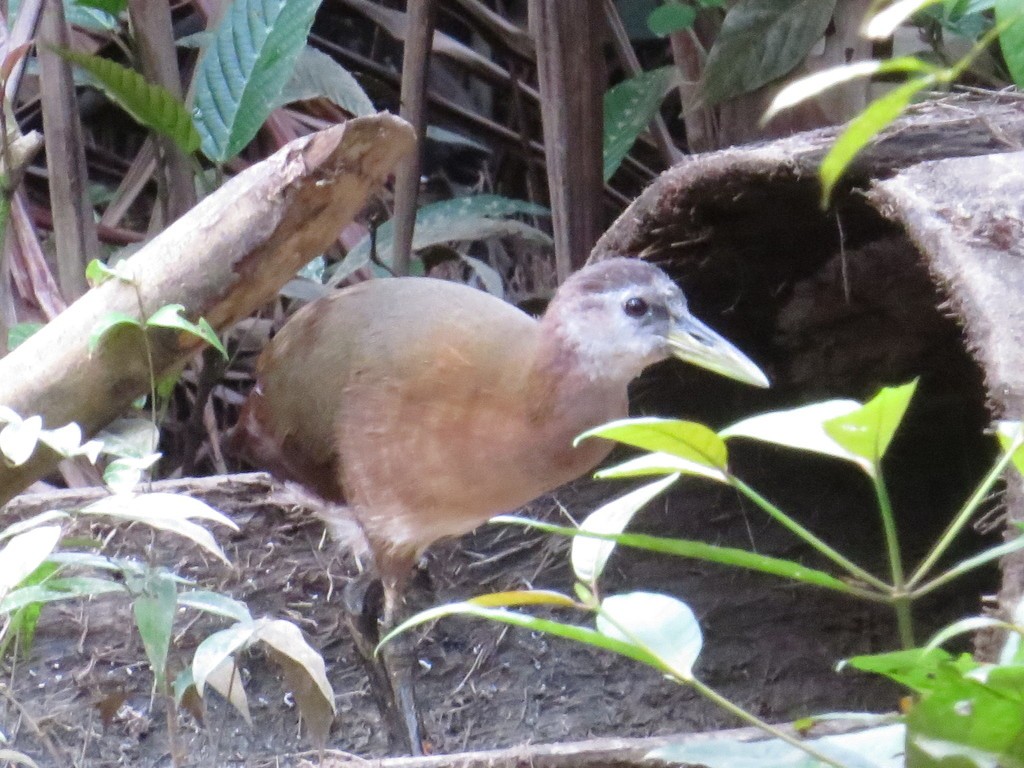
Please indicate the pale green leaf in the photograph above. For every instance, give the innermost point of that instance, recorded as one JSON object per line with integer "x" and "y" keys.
{"x": 59, "y": 589}
{"x": 130, "y": 437}
{"x": 154, "y": 616}
{"x": 243, "y": 69}
{"x": 18, "y": 440}
{"x": 43, "y": 518}
{"x": 317, "y": 75}
{"x": 215, "y": 603}
{"x": 217, "y": 649}
{"x": 109, "y": 322}
{"x": 24, "y": 553}
{"x": 659, "y": 624}
{"x": 226, "y": 679}
{"x": 122, "y": 475}
{"x": 660, "y": 463}
{"x": 884, "y": 23}
{"x": 524, "y": 597}
{"x": 761, "y": 40}
{"x": 1011, "y": 437}
{"x": 868, "y": 431}
{"x": 172, "y": 316}
{"x": 1011, "y": 40}
{"x": 589, "y": 555}
{"x": 685, "y": 439}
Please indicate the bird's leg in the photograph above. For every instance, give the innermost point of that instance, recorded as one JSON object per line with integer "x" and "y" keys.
{"x": 399, "y": 660}
{"x": 364, "y": 605}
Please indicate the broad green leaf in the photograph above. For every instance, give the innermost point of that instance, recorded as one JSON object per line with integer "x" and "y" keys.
{"x": 686, "y": 439}
{"x": 154, "y": 616}
{"x": 19, "y": 438}
{"x": 524, "y": 597}
{"x": 18, "y": 333}
{"x": 884, "y": 23}
{"x": 317, "y": 75}
{"x": 1011, "y": 39}
{"x": 24, "y": 553}
{"x": 460, "y": 219}
{"x": 304, "y": 671}
{"x": 696, "y": 550}
{"x": 868, "y": 431}
{"x": 915, "y": 668}
{"x": 55, "y": 589}
{"x": 629, "y": 107}
{"x": 569, "y": 631}
{"x": 863, "y": 128}
{"x": 165, "y": 511}
{"x": 152, "y": 106}
{"x": 660, "y": 463}
{"x": 802, "y": 428}
{"x": 243, "y": 69}
{"x": 671, "y": 17}
{"x": 113, "y": 7}
{"x": 659, "y": 624}
{"x": 215, "y": 603}
{"x": 810, "y": 86}
{"x": 590, "y": 555}
{"x": 761, "y": 40}
{"x": 173, "y": 316}
{"x": 879, "y": 747}
{"x": 109, "y": 322}
{"x": 217, "y": 649}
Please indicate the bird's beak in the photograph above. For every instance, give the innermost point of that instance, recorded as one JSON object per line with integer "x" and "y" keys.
{"x": 694, "y": 342}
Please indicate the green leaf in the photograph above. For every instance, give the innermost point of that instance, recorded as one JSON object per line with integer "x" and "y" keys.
{"x": 113, "y": 7}
{"x": 660, "y": 463}
{"x": 880, "y": 747}
{"x": 43, "y": 518}
{"x": 19, "y": 332}
{"x": 659, "y": 624}
{"x": 868, "y": 431}
{"x": 123, "y": 474}
{"x": 580, "y": 634}
{"x": 671, "y": 17}
{"x": 243, "y": 70}
{"x": 317, "y": 75}
{"x": 129, "y": 436}
{"x": 524, "y": 597}
{"x": 109, "y": 322}
{"x": 215, "y": 603}
{"x": 18, "y": 440}
{"x": 697, "y": 550}
{"x": 218, "y": 648}
{"x": 172, "y": 316}
{"x": 154, "y": 616}
{"x": 1011, "y": 39}
{"x": 589, "y": 555}
{"x": 885, "y": 22}
{"x": 863, "y": 128}
{"x": 150, "y": 105}
{"x": 24, "y": 620}
{"x": 59, "y": 589}
{"x": 24, "y": 553}
{"x": 97, "y": 273}
{"x": 1011, "y": 438}
{"x": 685, "y": 439}
{"x": 474, "y": 217}
{"x": 761, "y": 40}
{"x": 629, "y": 107}
{"x": 802, "y": 428}
{"x": 915, "y": 668}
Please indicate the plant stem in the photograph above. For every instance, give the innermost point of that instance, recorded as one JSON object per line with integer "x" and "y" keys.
{"x": 901, "y": 600}
{"x": 719, "y": 700}
{"x": 963, "y": 516}
{"x": 794, "y": 527}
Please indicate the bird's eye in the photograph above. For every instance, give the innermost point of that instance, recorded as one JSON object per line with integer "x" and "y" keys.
{"x": 635, "y": 307}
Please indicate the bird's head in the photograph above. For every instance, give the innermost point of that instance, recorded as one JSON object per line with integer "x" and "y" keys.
{"x": 621, "y": 315}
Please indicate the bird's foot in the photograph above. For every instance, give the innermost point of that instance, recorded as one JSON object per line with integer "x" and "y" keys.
{"x": 390, "y": 671}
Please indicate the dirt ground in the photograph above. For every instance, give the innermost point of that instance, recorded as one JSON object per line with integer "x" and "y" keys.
{"x": 770, "y": 646}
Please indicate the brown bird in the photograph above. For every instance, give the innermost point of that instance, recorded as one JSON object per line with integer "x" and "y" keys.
{"x": 427, "y": 407}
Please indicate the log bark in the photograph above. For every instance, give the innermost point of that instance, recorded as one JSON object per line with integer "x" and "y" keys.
{"x": 222, "y": 260}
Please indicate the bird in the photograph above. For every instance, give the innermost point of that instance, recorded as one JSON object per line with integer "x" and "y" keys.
{"x": 420, "y": 408}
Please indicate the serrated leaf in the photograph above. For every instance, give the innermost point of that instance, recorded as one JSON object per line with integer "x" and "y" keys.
{"x": 152, "y": 106}
{"x": 589, "y": 555}
{"x": 215, "y": 603}
{"x": 629, "y": 107}
{"x": 657, "y": 623}
{"x": 109, "y": 322}
{"x": 173, "y": 316}
{"x": 18, "y": 333}
{"x": 1011, "y": 39}
{"x": 868, "y": 431}
{"x": 19, "y": 438}
{"x": 154, "y": 616}
{"x": 317, "y": 75}
{"x": 761, "y": 40}
{"x": 244, "y": 68}
{"x": 468, "y": 218}
{"x": 863, "y": 128}
{"x": 671, "y": 17}
{"x": 685, "y": 439}
{"x": 802, "y": 428}
{"x": 24, "y": 553}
